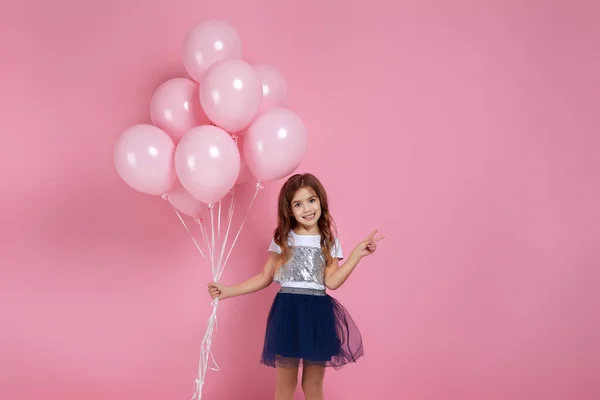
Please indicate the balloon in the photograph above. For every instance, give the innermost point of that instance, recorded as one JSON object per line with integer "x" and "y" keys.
{"x": 183, "y": 201}
{"x": 207, "y": 162}
{"x": 274, "y": 144}
{"x": 231, "y": 94}
{"x": 274, "y": 86}
{"x": 245, "y": 174}
{"x": 207, "y": 43}
{"x": 143, "y": 157}
{"x": 175, "y": 107}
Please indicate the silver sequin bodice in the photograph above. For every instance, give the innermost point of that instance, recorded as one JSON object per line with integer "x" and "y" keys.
{"x": 306, "y": 264}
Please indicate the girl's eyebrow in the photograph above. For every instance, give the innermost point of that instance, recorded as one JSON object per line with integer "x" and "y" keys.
{"x": 300, "y": 201}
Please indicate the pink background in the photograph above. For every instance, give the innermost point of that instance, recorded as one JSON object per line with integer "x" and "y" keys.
{"x": 467, "y": 133}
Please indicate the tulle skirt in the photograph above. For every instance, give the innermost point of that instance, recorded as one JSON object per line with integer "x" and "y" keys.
{"x": 307, "y": 326}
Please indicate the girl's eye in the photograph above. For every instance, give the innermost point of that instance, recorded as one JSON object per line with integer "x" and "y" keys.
{"x": 313, "y": 200}
{"x": 297, "y": 204}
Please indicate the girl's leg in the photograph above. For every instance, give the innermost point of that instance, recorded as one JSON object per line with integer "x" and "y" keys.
{"x": 287, "y": 380}
{"x": 312, "y": 381}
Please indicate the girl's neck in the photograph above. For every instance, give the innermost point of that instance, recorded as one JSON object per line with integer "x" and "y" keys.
{"x": 313, "y": 231}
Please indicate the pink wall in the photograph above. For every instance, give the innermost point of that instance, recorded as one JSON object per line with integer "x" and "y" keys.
{"x": 467, "y": 133}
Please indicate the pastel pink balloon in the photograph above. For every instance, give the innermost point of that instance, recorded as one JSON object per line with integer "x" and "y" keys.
{"x": 143, "y": 157}
{"x": 245, "y": 174}
{"x": 207, "y": 43}
{"x": 274, "y": 86}
{"x": 175, "y": 107}
{"x": 183, "y": 201}
{"x": 274, "y": 144}
{"x": 207, "y": 162}
{"x": 231, "y": 94}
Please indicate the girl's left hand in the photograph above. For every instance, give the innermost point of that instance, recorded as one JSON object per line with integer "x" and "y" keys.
{"x": 368, "y": 246}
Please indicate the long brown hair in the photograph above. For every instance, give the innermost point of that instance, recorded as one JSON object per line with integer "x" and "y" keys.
{"x": 286, "y": 221}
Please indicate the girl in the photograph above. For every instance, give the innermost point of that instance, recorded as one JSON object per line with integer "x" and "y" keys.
{"x": 305, "y": 325}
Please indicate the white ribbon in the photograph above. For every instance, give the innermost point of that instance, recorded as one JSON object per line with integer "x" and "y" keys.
{"x": 206, "y": 352}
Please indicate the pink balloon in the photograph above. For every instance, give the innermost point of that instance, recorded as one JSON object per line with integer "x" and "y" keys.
{"x": 207, "y": 43}
{"x": 143, "y": 157}
{"x": 207, "y": 162}
{"x": 274, "y": 86}
{"x": 274, "y": 144}
{"x": 231, "y": 94}
{"x": 245, "y": 174}
{"x": 175, "y": 107}
{"x": 183, "y": 201}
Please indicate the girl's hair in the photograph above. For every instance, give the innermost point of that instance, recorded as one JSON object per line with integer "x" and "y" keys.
{"x": 286, "y": 221}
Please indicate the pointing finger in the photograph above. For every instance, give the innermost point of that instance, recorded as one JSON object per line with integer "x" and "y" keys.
{"x": 370, "y": 237}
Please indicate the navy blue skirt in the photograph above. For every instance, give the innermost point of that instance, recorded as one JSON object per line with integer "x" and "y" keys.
{"x": 310, "y": 327}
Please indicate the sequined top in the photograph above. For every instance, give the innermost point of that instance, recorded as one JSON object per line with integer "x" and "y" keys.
{"x": 306, "y": 266}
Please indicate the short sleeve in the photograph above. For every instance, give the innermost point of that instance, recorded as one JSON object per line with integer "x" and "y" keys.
{"x": 274, "y": 247}
{"x": 336, "y": 251}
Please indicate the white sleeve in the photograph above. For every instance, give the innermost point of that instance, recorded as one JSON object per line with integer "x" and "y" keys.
{"x": 274, "y": 247}
{"x": 336, "y": 251}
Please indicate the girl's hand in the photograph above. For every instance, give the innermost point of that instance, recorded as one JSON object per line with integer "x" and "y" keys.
{"x": 367, "y": 246}
{"x": 218, "y": 290}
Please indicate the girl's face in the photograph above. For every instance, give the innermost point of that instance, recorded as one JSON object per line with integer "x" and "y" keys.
{"x": 306, "y": 207}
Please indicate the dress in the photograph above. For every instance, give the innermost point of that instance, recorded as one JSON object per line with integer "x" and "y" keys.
{"x": 306, "y": 325}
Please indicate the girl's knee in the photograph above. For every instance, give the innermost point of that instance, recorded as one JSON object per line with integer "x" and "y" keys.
{"x": 288, "y": 382}
{"x": 312, "y": 386}
{"x": 285, "y": 390}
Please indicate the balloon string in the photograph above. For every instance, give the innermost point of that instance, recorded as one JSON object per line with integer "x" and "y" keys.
{"x": 212, "y": 240}
{"x": 203, "y": 231}
{"x": 219, "y": 223}
{"x": 229, "y": 220}
{"x": 211, "y": 325}
{"x": 217, "y": 269}
{"x": 166, "y": 197}
{"x": 258, "y": 187}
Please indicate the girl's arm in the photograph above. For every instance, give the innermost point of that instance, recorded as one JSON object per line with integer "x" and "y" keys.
{"x": 335, "y": 276}
{"x": 254, "y": 284}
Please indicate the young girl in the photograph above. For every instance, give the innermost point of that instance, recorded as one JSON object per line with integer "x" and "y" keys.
{"x": 305, "y": 325}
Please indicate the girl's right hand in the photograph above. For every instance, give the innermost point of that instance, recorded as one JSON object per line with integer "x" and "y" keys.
{"x": 218, "y": 290}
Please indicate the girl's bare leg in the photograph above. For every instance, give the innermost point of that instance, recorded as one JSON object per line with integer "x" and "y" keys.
{"x": 312, "y": 381}
{"x": 287, "y": 380}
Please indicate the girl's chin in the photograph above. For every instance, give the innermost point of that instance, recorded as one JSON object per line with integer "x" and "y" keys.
{"x": 307, "y": 224}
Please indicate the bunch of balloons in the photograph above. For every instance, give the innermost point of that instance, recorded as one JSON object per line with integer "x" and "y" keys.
{"x": 222, "y": 125}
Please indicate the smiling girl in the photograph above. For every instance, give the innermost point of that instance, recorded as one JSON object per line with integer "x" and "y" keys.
{"x": 305, "y": 326}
